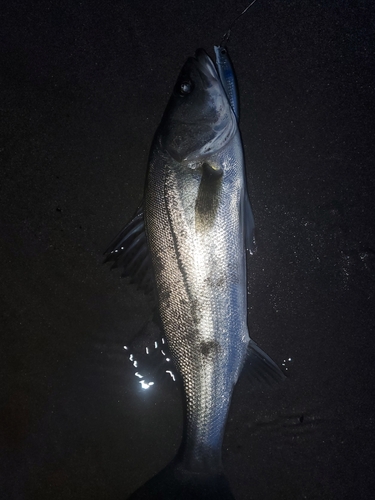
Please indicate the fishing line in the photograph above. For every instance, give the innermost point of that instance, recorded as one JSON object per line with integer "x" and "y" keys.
{"x": 226, "y": 35}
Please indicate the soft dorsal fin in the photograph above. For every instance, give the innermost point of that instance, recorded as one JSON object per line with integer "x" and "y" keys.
{"x": 260, "y": 367}
{"x": 129, "y": 250}
{"x": 150, "y": 356}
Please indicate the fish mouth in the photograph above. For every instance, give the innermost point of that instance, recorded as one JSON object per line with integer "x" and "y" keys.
{"x": 206, "y": 67}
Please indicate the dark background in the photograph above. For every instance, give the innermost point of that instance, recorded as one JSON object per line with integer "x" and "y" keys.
{"x": 83, "y": 87}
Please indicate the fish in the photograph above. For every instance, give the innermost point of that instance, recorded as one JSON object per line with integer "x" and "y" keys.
{"x": 188, "y": 244}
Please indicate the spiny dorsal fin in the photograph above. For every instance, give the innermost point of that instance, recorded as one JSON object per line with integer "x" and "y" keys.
{"x": 129, "y": 250}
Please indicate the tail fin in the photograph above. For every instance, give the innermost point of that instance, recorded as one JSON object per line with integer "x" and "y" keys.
{"x": 176, "y": 483}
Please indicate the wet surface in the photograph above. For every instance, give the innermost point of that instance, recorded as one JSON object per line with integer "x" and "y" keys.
{"x": 83, "y": 87}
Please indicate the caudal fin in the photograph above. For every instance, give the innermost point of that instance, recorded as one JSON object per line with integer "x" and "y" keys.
{"x": 176, "y": 483}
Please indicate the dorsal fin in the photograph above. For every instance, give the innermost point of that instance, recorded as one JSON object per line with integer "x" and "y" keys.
{"x": 260, "y": 367}
{"x": 129, "y": 250}
{"x": 150, "y": 356}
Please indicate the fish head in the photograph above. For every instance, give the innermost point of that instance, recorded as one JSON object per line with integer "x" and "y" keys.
{"x": 198, "y": 120}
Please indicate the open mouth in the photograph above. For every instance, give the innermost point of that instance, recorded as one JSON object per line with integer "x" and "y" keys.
{"x": 206, "y": 66}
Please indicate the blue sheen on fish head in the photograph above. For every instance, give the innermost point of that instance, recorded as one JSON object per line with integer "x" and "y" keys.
{"x": 198, "y": 120}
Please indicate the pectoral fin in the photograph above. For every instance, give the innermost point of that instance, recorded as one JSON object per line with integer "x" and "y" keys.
{"x": 207, "y": 200}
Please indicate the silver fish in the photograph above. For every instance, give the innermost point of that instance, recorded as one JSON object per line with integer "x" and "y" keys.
{"x": 196, "y": 222}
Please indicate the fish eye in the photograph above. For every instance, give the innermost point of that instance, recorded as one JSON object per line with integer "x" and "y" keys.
{"x": 186, "y": 87}
{"x": 223, "y": 51}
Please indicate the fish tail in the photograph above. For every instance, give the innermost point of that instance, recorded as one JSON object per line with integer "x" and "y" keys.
{"x": 176, "y": 483}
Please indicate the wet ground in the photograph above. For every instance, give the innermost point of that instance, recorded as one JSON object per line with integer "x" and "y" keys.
{"x": 83, "y": 86}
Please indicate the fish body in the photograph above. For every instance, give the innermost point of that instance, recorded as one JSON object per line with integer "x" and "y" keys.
{"x": 195, "y": 232}
{"x": 197, "y": 222}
